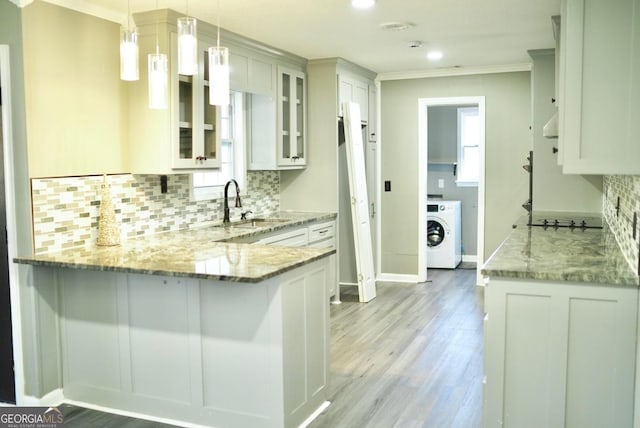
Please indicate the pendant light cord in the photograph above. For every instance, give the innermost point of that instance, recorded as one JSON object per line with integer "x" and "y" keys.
{"x": 157, "y": 44}
{"x": 218, "y": 25}
{"x": 128, "y": 15}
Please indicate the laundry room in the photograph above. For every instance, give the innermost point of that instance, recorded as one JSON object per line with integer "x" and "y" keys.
{"x": 452, "y": 175}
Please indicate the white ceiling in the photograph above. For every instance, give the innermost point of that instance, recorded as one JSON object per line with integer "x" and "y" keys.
{"x": 470, "y": 33}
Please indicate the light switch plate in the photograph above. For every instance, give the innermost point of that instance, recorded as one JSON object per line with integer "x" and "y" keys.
{"x": 441, "y": 183}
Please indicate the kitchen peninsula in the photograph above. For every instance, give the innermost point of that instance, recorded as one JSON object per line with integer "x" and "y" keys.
{"x": 191, "y": 326}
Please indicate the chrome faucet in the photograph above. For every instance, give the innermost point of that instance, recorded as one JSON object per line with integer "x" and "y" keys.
{"x": 226, "y": 199}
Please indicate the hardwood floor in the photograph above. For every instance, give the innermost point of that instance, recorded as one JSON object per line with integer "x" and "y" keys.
{"x": 410, "y": 358}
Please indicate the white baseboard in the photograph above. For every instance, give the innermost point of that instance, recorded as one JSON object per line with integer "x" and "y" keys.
{"x": 396, "y": 277}
{"x": 52, "y": 399}
{"x": 470, "y": 258}
{"x": 315, "y": 414}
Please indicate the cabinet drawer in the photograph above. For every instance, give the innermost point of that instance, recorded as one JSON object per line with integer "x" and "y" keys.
{"x": 294, "y": 238}
{"x": 325, "y": 243}
{"x": 321, "y": 231}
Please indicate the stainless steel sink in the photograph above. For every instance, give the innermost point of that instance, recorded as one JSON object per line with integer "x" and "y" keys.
{"x": 254, "y": 223}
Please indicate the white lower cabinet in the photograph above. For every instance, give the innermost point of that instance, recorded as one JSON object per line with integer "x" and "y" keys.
{"x": 290, "y": 238}
{"x": 319, "y": 235}
{"x": 323, "y": 235}
{"x": 559, "y": 354}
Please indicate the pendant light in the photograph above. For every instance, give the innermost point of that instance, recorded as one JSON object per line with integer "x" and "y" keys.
{"x": 129, "y": 49}
{"x": 158, "y": 69}
{"x": 187, "y": 45}
{"x": 218, "y": 71}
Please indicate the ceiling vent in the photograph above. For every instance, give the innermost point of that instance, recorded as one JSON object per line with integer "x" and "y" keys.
{"x": 396, "y": 26}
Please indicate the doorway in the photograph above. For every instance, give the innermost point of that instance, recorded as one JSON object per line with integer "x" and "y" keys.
{"x": 7, "y": 374}
{"x": 452, "y": 162}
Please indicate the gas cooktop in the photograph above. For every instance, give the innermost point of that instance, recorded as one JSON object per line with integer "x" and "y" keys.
{"x": 570, "y": 220}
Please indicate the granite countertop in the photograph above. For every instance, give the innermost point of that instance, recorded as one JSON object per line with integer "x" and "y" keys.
{"x": 204, "y": 253}
{"x": 561, "y": 254}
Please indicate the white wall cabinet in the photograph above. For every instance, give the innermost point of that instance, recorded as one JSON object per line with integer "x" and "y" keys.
{"x": 559, "y": 354}
{"x": 292, "y": 144}
{"x": 352, "y": 89}
{"x": 277, "y": 125}
{"x": 197, "y": 143}
{"x": 373, "y": 116}
{"x": 251, "y": 73}
{"x": 185, "y": 135}
{"x": 600, "y": 86}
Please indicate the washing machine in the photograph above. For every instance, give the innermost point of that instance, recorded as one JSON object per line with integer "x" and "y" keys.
{"x": 444, "y": 234}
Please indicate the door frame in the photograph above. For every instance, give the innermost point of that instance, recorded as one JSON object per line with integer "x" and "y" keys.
{"x": 12, "y": 236}
{"x": 423, "y": 141}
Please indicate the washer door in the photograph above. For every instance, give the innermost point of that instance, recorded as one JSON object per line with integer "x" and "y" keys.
{"x": 435, "y": 233}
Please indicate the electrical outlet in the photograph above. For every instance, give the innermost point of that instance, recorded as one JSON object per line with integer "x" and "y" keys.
{"x": 441, "y": 183}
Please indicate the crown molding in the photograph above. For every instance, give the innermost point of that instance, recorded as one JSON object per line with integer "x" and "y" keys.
{"x": 86, "y": 8}
{"x": 21, "y": 3}
{"x": 457, "y": 71}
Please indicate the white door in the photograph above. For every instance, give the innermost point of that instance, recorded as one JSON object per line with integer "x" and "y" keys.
{"x": 359, "y": 202}
{"x": 372, "y": 180}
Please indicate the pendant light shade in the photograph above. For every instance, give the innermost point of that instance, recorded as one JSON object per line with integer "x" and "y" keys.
{"x": 187, "y": 46}
{"x": 218, "y": 76}
{"x": 129, "y": 49}
{"x": 129, "y": 54}
{"x": 158, "y": 70}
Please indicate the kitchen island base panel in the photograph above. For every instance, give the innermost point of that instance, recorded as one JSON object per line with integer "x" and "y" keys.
{"x": 215, "y": 353}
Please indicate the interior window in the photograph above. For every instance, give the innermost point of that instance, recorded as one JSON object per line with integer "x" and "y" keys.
{"x": 209, "y": 185}
{"x": 468, "y": 146}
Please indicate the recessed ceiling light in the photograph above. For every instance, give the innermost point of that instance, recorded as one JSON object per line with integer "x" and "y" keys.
{"x": 363, "y": 4}
{"x": 396, "y": 26}
{"x": 434, "y": 55}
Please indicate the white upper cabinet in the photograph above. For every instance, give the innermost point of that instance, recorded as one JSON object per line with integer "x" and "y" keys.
{"x": 600, "y": 87}
{"x": 291, "y": 142}
{"x": 197, "y": 142}
{"x": 184, "y": 136}
{"x": 250, "y": 73}
{"x": 373, "y": 108}
{"x": 351, "y": 89}
{"x": 277, "y": 125}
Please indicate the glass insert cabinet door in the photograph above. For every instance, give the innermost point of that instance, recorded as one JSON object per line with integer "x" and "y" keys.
{"x": 198, "y": 140}
{"x": 292, "y": 118}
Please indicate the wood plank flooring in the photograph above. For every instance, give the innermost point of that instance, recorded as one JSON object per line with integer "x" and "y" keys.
{"x": 410, "y": 358}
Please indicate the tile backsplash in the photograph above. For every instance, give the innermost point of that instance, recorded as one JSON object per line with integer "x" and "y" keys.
{"x": 66, "y": 209}
{"x": 620, "y": 217}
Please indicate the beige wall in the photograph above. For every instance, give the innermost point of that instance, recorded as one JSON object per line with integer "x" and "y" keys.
{"x": 316, "y": 187}
{"x": 76, "y": 104}
{"x": 553, "y": 190}
{"x": 507, "y": 98}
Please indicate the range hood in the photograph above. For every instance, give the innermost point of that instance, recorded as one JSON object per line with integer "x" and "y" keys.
{"x": 550, "y": 129}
